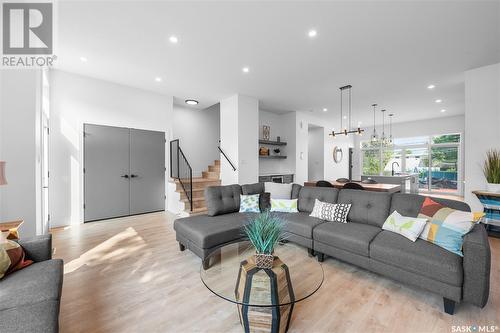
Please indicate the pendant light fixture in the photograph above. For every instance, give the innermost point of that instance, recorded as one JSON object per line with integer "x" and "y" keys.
{"x": 346, "y": 130}
{"x": 391, "y": 140}
{"x": 383, "y": 138}
{"x": 374, "y": 136}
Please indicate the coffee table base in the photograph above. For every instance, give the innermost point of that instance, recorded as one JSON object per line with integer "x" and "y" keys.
{"x": 264, "y": 286}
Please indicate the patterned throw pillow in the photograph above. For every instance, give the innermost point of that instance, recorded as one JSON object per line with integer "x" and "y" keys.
{"x": 284, "y": 205}
{"x": 11, "y": 258}
{"x": 249, "y": 203}
{"x": 409, "y": 227}
{"x": 330, "y": 212}
{"x": 446, "y": 226}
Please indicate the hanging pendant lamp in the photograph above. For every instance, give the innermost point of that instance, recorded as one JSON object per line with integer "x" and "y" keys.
{"x": 383, "y": 138}
{"x": 374, "y": 136}
{"x": 391, "y": 140}
{"x": 346, "y": 130}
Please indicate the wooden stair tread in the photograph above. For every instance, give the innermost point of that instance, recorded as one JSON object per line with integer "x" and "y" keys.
{"x": 194, "y": 199}
{"x": 209, "y": 177}
{"x": 202, "y": 180}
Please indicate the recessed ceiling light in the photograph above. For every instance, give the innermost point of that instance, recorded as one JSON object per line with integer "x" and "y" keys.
{"x": 438, "y": 100}
{"x": 443, "y": 110}
{"x": 173, "y": 39}
{"x": 191, "y": 102}
{"x": 431, "y": 86}
{"x": 345, "y": 117}
{"x": 158, "y": 79}
{"x": 83, "y": 59}
{"x": 325, "y": 109}
{"x": 245, "y": 69}
{"x": 312, "y": 33}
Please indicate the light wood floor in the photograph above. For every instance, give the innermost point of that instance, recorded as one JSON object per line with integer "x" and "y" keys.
{"x": 127, "y": 275}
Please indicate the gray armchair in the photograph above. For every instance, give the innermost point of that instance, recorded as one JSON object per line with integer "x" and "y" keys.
{"x": 30, "y": 298}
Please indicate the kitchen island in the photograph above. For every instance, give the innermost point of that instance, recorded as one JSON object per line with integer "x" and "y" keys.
{"x": 389, "y": 188}
{"x": 408, "y": 181}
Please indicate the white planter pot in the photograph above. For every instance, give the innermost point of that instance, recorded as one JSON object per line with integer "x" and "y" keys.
{"x": 493, "y": 187}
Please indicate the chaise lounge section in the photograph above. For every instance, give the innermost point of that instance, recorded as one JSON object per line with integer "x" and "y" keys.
{"x": 360, "y": 242}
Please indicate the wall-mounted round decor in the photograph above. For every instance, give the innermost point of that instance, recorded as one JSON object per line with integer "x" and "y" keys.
{"x": 337, "y": 154}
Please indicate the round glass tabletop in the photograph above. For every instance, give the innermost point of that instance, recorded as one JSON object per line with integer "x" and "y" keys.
{"x": 233, "y": 276}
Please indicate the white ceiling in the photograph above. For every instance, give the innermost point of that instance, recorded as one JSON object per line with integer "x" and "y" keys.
{"x": 388, "y": 51}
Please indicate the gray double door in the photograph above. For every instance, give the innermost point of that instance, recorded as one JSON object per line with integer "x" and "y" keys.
{"x": 124, "y": 171}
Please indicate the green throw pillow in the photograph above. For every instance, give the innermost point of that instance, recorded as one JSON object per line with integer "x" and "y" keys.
{"x": 409, "y": 227}
{"x": 249, "y": 203}
{"x": 284, "y": 205}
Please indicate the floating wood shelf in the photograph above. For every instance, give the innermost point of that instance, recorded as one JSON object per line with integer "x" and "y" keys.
{"x": 272, "y": 156}
{"x": 274, "y": 143}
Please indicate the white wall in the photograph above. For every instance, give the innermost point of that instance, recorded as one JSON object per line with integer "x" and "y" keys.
{"x": 338, "y": 170}
{"x": 280, "y": 126}
{"x": 239, "y": 121}
{"x": 20, "y": 106}
{"x": 229, "y": 139}
{"x": 76, "y": 100}
{"x": 444, "y": 125}
{"x": 482, "y": 124}
{"x": 302, "y": 122}
{"x": 316, "y": 154}
{"x": 199, "y": 134}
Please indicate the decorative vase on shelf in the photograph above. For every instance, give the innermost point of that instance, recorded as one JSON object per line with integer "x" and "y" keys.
{"x": 491, "y": 170}
{"x": 266, "y": 132}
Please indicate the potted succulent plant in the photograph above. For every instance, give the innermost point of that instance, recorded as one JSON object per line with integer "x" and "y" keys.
{"x": 264, "y": 232}
{"x": 491, "y": 170}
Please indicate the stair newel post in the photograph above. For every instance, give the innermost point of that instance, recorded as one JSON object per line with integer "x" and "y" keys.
{"x": 191, "y": 187}
{"x": 178, "y": 163}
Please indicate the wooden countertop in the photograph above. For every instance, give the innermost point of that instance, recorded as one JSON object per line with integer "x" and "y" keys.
{"x": 380, "y": 187}
{"x": 486, "y": 193}
{"x": 6, "y": 226}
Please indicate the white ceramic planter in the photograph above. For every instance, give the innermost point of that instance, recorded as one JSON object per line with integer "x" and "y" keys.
{"x": 493, "y": 187}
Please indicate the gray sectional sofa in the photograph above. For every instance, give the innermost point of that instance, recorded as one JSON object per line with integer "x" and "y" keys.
{"x": 30, "y": 297}
{"x": 361, "y": 242}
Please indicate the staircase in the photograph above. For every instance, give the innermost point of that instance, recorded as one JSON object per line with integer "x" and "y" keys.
{"x": 211, "y": 177}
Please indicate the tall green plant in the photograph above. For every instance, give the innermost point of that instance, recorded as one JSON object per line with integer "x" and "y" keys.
{"x": 491, "y": 168}
{"x": 264, "y": 232}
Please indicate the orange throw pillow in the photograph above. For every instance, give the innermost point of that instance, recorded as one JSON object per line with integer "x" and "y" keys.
{"x": 12, "y": 258}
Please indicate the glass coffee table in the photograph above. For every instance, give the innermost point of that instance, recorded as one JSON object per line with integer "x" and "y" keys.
{"x": 265, "y": 297}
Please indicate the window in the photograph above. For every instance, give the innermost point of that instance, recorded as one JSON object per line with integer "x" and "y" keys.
{"x": 436, "y": 159}
{"x": 391, "y": 158}
{"x": 371, "y": 162}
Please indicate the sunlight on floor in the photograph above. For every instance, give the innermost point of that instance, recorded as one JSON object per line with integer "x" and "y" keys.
{"x": 113, "y": 249}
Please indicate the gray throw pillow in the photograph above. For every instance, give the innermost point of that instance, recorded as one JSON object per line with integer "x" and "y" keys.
{"x": 265, "y": 201}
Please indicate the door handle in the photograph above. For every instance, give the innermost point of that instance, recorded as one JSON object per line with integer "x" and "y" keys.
{"x": 133, "y": 176}
{"x": 125, "y": 176}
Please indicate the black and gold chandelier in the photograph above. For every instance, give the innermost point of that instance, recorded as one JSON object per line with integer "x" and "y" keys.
{"x": 347, "y": 129}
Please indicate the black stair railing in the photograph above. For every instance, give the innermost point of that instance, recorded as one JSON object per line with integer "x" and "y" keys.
{"x": 181, "y": 170}
{"x": 225, "y": 156}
